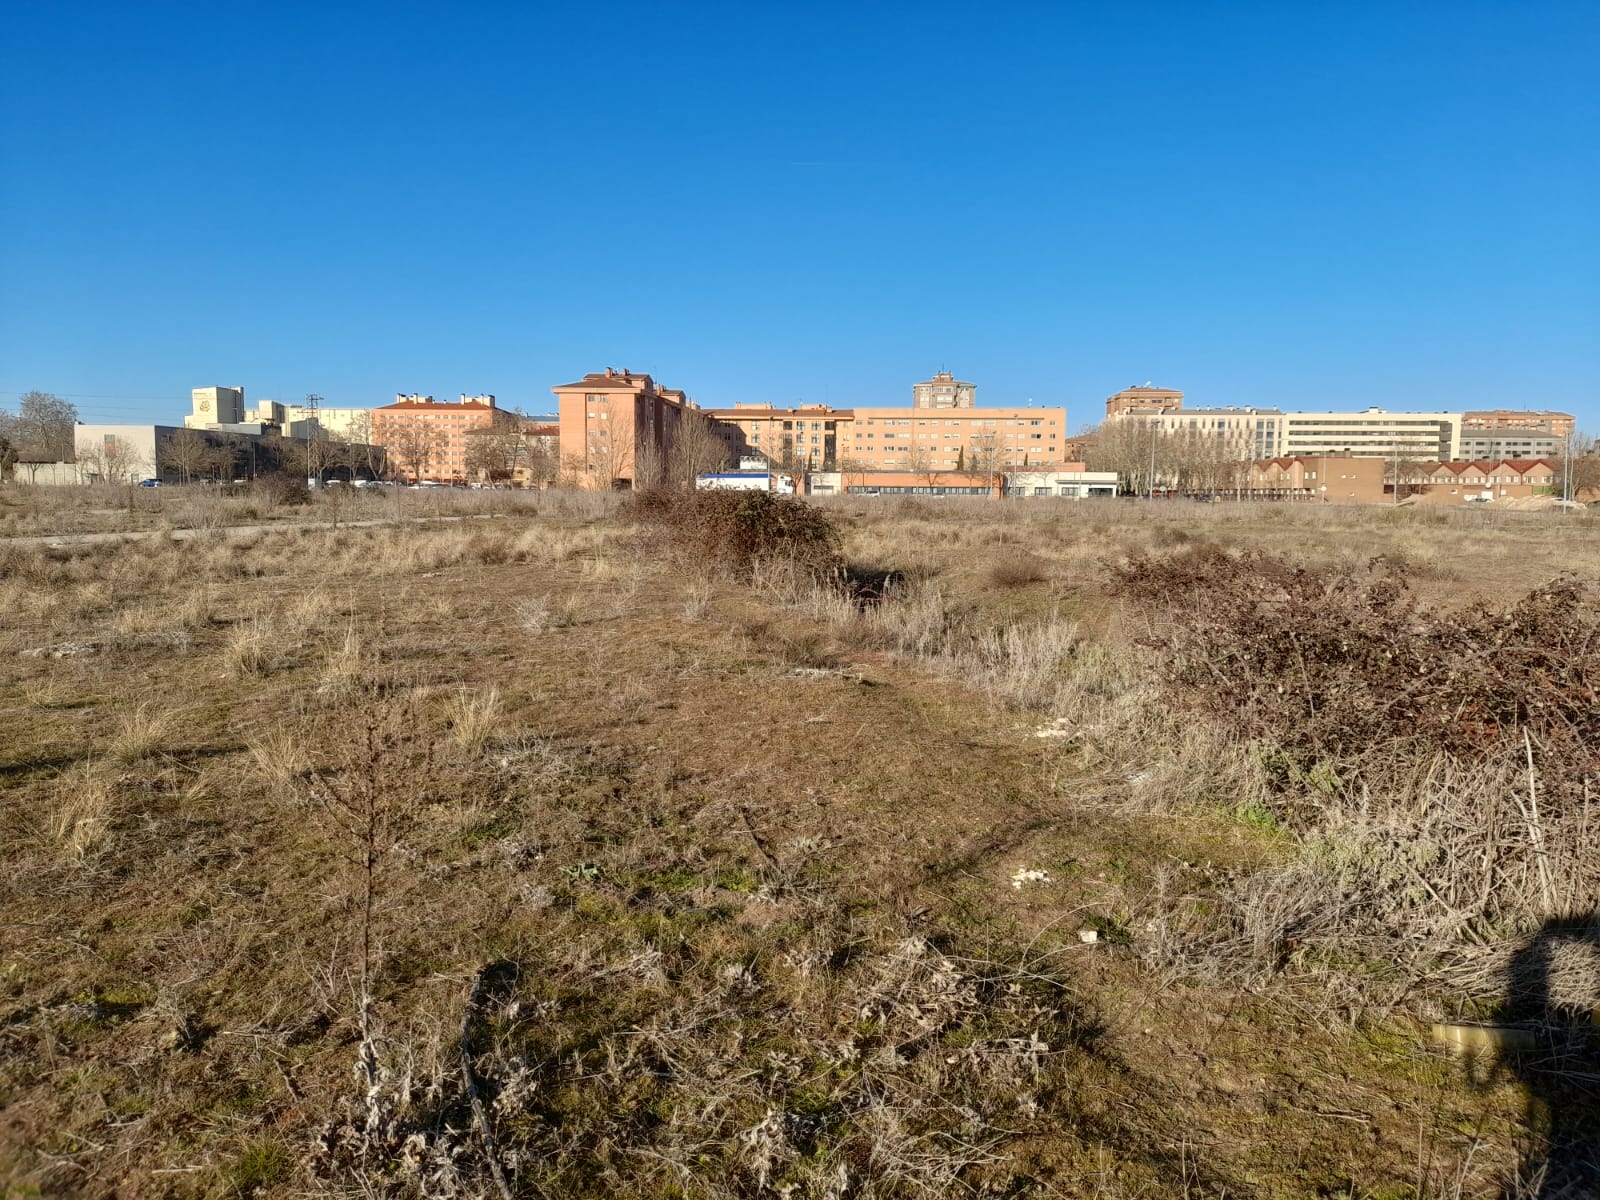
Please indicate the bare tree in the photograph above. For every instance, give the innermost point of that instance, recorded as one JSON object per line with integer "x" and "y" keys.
{"x": 983, "y": 455}
{"x": 1405, "y": 477}
{"x": 113, "y": 461}
{"x": 412, "y": 445}
{"x": 696, "y": 450}
{"x": 364, "y": 455}
{"x": 541, "y": 463}
{"x": 1577, "y": 471}
{"x": 42, "y": 428}
{"x": 186, "y": 450}
{"x": 492, "y": 454}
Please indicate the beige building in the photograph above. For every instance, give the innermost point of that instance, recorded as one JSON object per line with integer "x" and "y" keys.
{"x": 428, "y": 439}
{"x": 1270, "y": 432}
{"x": 817, "y": 438}
{"x": 344, "y": 424}
{"x": 215, "y": 406}
{"x": 1246, "y": 432}
{"x": 944, "y": 391}
{"x": 953, "y": 439}
{"x": 1374, "y": 431}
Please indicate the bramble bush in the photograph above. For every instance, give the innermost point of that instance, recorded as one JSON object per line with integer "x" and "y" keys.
{"x": 733, "y": 531}
{"x": 1329, "y": 666}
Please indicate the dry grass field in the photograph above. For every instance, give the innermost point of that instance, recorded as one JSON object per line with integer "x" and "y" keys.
{"x": 479, "y": 844}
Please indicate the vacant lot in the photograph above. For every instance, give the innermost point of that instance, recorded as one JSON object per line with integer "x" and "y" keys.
{"x": 1062, "y": 850}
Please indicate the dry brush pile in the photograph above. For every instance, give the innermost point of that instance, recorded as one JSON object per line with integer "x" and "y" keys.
{"x": 1438, "y": 769}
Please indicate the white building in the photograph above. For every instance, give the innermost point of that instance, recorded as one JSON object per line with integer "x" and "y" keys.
{"x": 1074, "y": 485}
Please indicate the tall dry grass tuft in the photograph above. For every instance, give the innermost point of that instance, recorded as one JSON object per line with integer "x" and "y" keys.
{"x": 249, "y": 650}
{"x": 345, "y": 666}
{"x": 141, "y": 731}
{"x": 81, "y": 810}
{"x": 473, "y": 716}
{"x": 279, "y": 758}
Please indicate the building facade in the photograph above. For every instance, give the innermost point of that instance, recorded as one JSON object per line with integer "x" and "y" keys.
{"x": 618, "y": 428}
{"x": 1505, "y": 433}
{"x": 944, "y": 390}
{"x": 867, "y": 482}
{"x": 427, "y": 440}
{"x": 215, "y": 406}
{"x": 1556, "y": 424}
{"x": 1481, "y": 482}
{"x": 1432, "y": 436}
{"x": 804, "y": 438}
{"x": 1144, "y": 400}
{"x": 1325, "y": 478}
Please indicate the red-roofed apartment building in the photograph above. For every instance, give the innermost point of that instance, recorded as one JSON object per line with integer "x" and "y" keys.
{"x": 427, "y": 439}
{"x": 612, "y": 422}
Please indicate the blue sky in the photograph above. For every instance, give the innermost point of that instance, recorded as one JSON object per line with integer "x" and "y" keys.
{"x": 1302, "y": 204}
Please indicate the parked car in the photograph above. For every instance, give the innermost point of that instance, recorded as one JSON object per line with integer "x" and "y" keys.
{"x": 149, "y": 483}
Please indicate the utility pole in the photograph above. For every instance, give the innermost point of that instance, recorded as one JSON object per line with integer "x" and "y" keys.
{"x": 1150, "y": 487}
{"x": 1566, "y": 474}
{"x": 313, "y": 403}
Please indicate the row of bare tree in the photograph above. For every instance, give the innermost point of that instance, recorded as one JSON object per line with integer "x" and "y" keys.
{"x": 1193, "y": 462}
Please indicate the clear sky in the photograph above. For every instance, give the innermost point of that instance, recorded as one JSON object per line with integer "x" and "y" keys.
{"x": 1303, "y": 204}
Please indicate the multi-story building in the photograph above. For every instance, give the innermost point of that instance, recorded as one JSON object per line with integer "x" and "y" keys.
{"x": 1144, "y": 400}
{"x": 215, "y": 406}
{"x": 979, "y": 439}
{"x": 804, "y": 438}
{"x": 428, "y": 439}
{"x": 1245, "y": 432}
{"x": 344, "y": 424}
{"x": 944, "y": 390}
{"x": 818, "y": 438}
{"x": 1556, "y": 424}
{"x": 1270, "y": 432}
{"x": 617, "y": 427}
{"x": 609, "y": 420}
{"x": 1374, "y": 431}
{"x": 1508, "y": 434}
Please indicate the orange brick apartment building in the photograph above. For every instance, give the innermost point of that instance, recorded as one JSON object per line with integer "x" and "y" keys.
{"x": 427, "y": 439}
{"x": 818, "y": 438}
{"x": 612, "y": 421}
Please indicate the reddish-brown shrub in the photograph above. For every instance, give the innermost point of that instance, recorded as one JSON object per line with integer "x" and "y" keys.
{"x": 1328, "y": 664}
{"x": 732, "y": 531}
